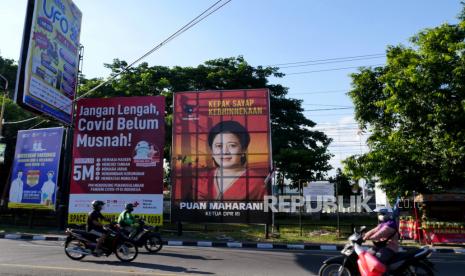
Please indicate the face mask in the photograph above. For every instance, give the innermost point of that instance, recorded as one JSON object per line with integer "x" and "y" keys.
{"x": 381, "y": 218}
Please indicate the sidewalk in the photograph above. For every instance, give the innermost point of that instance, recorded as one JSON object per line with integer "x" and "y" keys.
{"x": 235, "y": 244}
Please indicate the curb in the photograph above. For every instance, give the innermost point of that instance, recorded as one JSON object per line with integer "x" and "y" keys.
{"x": 257, "y": 245}
{"x": 31, "y": 237}
{"x": 321, "y": 247}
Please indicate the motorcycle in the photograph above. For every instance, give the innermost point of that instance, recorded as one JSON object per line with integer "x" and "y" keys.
{"x": 355, "y": 260}
{"x": 147, "y": 236}
{"x": 80, "y": 243}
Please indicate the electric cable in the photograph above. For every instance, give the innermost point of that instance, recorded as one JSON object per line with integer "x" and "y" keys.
{"x": 210, "y": 10}
{"x": 326, "y": 59}
{"x": 332, "y": 69}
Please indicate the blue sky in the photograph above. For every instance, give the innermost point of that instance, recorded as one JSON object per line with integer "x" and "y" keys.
{"x": 264, "y": 32}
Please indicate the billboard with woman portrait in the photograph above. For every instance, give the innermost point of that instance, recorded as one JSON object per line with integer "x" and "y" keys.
{"x": 221, "y": 156}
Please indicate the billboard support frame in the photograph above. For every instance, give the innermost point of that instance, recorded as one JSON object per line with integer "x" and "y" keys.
{"x": 62, "y": 208}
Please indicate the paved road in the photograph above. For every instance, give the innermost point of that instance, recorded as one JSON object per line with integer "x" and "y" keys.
{"x": 47, "y": 258}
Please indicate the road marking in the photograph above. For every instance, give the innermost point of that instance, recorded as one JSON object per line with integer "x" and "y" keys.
{"x": 37, "y": 245}
{"x": 296, "y": 246}
{"x": 175, "y": 243}
{"x": 86, "y": 269}
{"x": 328, "y": 247}
{"x": 264, "y": 245}
{"x": 234, "y": 244}
{"x": 204, "y": 243}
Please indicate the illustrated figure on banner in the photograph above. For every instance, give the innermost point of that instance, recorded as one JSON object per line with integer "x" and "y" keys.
{"x": 16, "y": 189}
{"x": 142, "y": 150}
{"x": 48, "y": 188}
{"x": 37, "y": 146}
{"x": 230, "y": 179}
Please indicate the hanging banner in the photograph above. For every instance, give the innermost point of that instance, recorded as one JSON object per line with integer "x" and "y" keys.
{"x": 118, "y": 157}
{"x": 221, "y": 156}
{"x": 318, "y": 188}
{"x": 35, "y": 168}
{"x": 48, "y": 66}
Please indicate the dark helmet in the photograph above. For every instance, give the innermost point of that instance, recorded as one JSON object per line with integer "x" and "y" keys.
{"x": 97, "y": 203}
{"x": 129, "y": 207}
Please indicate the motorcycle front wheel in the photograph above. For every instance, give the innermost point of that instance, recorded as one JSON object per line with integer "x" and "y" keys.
{"x": 72, "y": 248}
{"x": 333, "y": 269}
{"x": 153, "y": 244}
{"x": 126, "y": 251}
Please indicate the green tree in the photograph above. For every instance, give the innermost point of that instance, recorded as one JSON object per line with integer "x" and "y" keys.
{"x": 414, "y": 107}
{"x": 13, "y": 117}
{"x": 342, "y": 182}
{"x": 302, "y": 155}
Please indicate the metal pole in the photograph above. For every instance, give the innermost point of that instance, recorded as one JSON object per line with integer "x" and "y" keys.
{"x": 338, "y": 230}
{"x": 273, "y": 194}
{"x": 3, "y": 104}
{"x": 300, "y": 208}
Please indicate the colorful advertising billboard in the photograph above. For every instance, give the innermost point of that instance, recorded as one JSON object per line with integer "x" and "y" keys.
{"x": 221, "y": 156}
{"x": 35, "y": 169}
{"x": 48, "y": 66}
{"x": 118, "y": 157}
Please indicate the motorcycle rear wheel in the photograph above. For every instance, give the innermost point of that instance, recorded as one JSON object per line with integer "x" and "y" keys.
{"x": 332, "y": 269}
{"x": 74, "y": 244}
{"x": 126, "y": 251}
{"x": 153, "y": 244}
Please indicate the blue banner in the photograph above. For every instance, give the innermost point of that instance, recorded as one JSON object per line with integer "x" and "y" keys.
{"x": 35, "y": 168}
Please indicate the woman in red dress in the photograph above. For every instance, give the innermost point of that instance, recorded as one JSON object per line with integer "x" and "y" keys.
{"x": 230, "y": 180}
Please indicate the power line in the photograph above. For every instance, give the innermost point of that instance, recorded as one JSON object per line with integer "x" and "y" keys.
{"x": 335, "y": 128}
{"x": 326, "y": 109}
{"x": 342, "y": 124}
{"x": 328, "y": 105}
{"x": 346, "y": 146}
{"x": 210, "y": 10}
{"x": 329, "y": 62}
{"x": 332, "y": 114}
{"x": 183, "y": 29}
{"x": 326, "y": 59}
{"x": 321, "y": 92}
{"x": 332, "y": 69}
{"x": 19, "y": 122}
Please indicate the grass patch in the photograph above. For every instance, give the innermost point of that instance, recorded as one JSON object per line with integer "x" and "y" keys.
{"x": 256, "y": 233}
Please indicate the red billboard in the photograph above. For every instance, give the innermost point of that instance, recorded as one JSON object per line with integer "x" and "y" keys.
{"x": 118, "y": 157}
{"x": 221, "y": 155}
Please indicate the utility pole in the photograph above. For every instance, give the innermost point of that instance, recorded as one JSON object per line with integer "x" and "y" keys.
{"x": 2, "y": 111}
{"x": 5, "y": 95}
{"x": 301, "y": 193}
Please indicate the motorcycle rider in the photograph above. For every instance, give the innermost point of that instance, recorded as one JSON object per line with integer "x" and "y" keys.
{"x": 126, "y": 219}
{"x": 95, "y": 225}
{"x": 385, "y": 236}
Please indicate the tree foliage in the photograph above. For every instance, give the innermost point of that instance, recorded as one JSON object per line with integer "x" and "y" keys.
{"x": 343, "y": 184}
{"x": 414, "y": 107}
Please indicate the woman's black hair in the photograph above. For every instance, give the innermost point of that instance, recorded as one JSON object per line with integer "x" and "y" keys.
{"x": 230, "y": 127}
